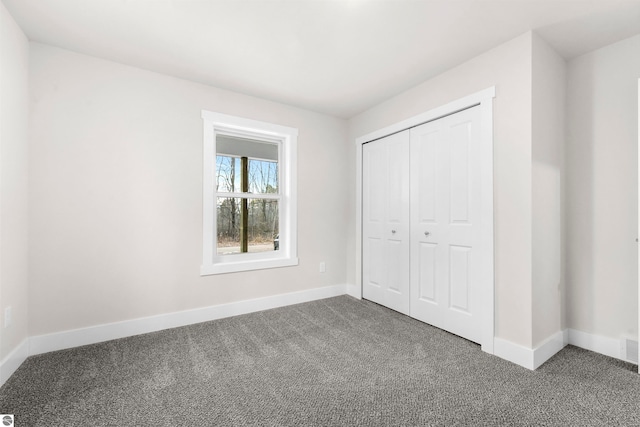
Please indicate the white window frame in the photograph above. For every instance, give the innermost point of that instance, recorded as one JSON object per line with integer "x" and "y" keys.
{"x": 286, "y": 138}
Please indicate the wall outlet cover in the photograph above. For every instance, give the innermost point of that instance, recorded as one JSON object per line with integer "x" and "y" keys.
{"x": 7, "y": 317}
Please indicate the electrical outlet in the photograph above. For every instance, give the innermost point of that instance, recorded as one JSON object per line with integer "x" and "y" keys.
{"x": 7, "y": 317}
{"x": 323, "y": 267}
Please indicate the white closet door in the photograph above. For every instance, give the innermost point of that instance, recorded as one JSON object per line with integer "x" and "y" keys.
{"x": 385, "y": 221}
{"x": 446, "y": 246}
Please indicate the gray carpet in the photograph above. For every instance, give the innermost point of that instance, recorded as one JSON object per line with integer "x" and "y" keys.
{"x": 334, "y": 362}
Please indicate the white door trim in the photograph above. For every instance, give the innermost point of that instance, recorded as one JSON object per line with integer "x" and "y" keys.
{"x": 484, "y": 99}
{"x": 638, "y": 217}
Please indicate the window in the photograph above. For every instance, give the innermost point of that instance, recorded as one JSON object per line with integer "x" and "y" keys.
{"x": 249, "y": 198}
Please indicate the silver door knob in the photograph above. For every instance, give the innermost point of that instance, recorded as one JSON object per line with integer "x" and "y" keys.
{"x": 426, "y": 234}
{"x": 393, "y": 231}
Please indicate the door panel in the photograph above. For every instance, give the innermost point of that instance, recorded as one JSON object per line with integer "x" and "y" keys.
{"x": 374, "y": 199}
{"x": 374, "y": 247}
{"x": 460, "y": 180}
{"x": 386, "y": 221}
{"x": 374, "y": 272}
{"x": 395, "y": 264}
{"x": 427, "y": 271}
{"x": 426, "y": 175}
{"x": 459, "y": 274}
{"x": 443, "y": 285}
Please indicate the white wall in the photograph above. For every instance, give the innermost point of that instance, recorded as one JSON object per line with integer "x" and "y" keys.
{"x": 115, "y": 197}
{"x": 508, "y": 68}
{"x": 14, "y": 95}
{"x": 601, "y": 193}
{"x": 548, "y": 133}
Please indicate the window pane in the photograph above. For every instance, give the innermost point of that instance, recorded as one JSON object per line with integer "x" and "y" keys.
{"x": 262, "y": 225}
{"x": 228, "y": 174}
{"x": 246, "y": 165}
{"x": 263, "y": 176}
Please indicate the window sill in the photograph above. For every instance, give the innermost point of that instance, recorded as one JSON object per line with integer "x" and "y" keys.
{"x": 246, "y": 265}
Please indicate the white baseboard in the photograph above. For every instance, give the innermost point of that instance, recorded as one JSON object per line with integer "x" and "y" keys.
{"x": 13, "y": 361}
{"x": 95, "y": 334}
{"x": 549, "y": 348}
{"x": 533, "y": 358}
{"x": 611, "y": 347}
{"x": 354, "y": 291}
{"x": 530, "y": 358}
{"x": 515, "y": 353}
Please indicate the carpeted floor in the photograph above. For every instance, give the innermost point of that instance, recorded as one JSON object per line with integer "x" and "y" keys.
{"x": 334, "y": 362}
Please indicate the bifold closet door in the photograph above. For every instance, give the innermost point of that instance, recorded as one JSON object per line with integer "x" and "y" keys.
{"x": 385, "y": 221}
{"x": 446, "y": 220}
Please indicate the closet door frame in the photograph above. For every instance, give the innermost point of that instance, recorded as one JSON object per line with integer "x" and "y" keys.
{"x": 484, "y": 99}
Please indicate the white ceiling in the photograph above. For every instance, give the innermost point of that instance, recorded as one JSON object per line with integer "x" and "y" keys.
{"x": 338, "y": 57}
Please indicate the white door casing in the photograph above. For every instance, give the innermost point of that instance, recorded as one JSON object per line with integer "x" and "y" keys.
{"x": 385, "y": 221}
{"x": 446, "y": 222}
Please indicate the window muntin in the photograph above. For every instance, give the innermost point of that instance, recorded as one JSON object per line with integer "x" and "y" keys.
{"x": 248, "y": 223}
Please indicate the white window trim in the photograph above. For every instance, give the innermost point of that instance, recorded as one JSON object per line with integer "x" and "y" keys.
{"x": 286, "y": 138}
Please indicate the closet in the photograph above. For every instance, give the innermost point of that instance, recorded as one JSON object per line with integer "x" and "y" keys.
{"x": 426, "y": 236}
